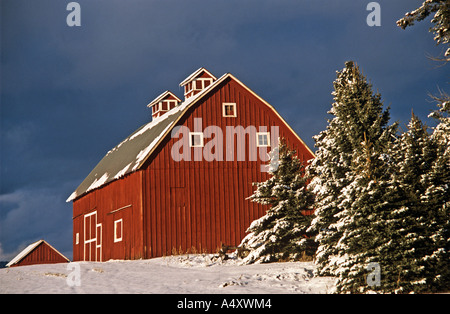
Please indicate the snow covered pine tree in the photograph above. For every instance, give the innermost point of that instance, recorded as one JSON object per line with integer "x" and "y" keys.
{"x": 436, "y": 180}
{"x": 392, "y": 220}
{"x": 437, "y": 201}
{"x": 348, "y": 151}
{"x": 280, "y": 235}
{"x": 413, "y": 153}
{"x": 415, "y": 257}
{"x": 390, "y": 225}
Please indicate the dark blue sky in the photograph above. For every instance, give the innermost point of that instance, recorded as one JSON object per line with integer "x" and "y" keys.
{"x": 70, "y": 94}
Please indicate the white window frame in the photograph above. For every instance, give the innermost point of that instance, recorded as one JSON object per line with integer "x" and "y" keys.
{"x": 193, "y": 83}
{"x": 203, "y": 80}
{"x": 164, "y": 105}
{"x": 191, "y": 144}
{"x": 258, "y": 144}
{"x": 117, "y": 239}
{"x": 208, "y": 79}
{"x": 97, "y": 240}
{"x": 224, "y": 112}
{"x": 157, "y": 108}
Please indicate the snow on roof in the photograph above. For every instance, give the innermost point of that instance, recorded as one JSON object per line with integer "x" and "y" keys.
{"x": 28, "y": 250}
{"x": 129, "y": 155}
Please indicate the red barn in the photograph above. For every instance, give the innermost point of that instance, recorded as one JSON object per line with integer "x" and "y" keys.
{"x": 180, "y": 182}
{"x": 39, "y": 252}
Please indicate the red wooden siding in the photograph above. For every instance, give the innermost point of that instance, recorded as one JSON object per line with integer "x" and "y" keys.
{"x": 42, "y": 254}
{"x": 197, "y": 205}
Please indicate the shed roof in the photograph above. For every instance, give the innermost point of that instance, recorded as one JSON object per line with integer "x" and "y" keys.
{"x": 28, "y": 250}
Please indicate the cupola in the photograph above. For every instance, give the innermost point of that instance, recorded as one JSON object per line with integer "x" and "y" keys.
{"x": 163, "y": 103}
{"x": 196, "y": 82}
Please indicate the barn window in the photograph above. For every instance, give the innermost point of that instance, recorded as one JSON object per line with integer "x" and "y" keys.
{"x": 202, "y": 83}
{"x": 77, "y": 238}
{"x": 198, "y": 85}
{"x": 166, "y": 105}
{"x": 118, "y": 230}
{"x": 262, "y": 139}
{"x": 196, "y": 139}
{"x": 207, "y": 82}
{"x": 229, "y": 109}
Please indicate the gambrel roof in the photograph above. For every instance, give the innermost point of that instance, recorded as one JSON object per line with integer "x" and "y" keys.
{"x": 131, "y": 154}
{"x": 133, "y": 151}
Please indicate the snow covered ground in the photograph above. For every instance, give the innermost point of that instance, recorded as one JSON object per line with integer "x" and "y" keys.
{"x": 174, "y": 274}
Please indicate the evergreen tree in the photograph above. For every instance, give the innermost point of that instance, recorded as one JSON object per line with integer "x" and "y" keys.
{"x": 393, "y": 225}
{"x": 370, "y": 199}
{"x": 436, "y": 181}
{"x": 416, "y": 252}
{"x": 388, "y": 220}
{"x": 437, "y": 200}
{"x": 414, "y": 154}
{"x": 348, "y": 150}
{"x": 281, "y": 233}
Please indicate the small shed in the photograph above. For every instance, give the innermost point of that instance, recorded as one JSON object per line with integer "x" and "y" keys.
{"x": 39, "y": 252}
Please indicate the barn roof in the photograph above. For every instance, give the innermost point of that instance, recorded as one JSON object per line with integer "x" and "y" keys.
{"x": 30, "y": 249}
{"x": 132, "y": 152}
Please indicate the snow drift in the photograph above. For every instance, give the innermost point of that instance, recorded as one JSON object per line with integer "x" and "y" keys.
{"x": 184, "y": 274}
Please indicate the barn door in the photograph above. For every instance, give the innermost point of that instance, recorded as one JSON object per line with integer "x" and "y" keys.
{"x": 92, "y": 238}
{"x": 181, "y": 239}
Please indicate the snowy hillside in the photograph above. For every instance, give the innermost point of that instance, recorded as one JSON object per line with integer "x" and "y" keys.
{"x": 175, "y": 274}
